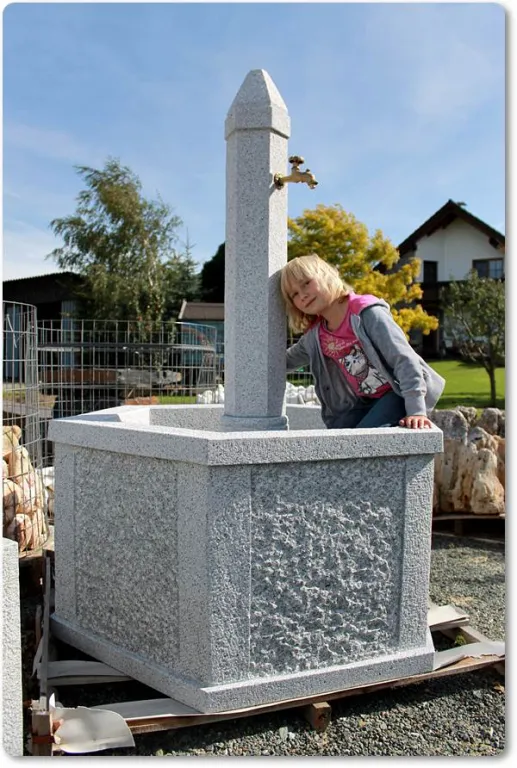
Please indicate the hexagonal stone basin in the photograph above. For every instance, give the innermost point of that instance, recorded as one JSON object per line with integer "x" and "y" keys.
{"x": 234, "y": 569}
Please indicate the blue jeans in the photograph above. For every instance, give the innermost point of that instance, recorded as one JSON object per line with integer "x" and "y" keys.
{"x": 385, "y": 411}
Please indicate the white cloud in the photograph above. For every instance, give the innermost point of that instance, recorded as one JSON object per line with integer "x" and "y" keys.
{"x": 444, "y": 59}
{"x": 40, "y": 200}
{"x": 48, "y": 143}
{"x": 453, "y": 83}
{"x": 24, "y": 250}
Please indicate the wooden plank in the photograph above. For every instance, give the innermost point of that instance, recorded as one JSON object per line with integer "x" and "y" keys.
{"x": 472, "y": 635}
{"x": 46, "y": 630}
{"x": 463, "y": 523}
{"x": 163, "y": 714}
{"x": 500, "y": 668}
{"x": 41, "y": 728}
{"x": 462, "y": 666}
{"x": 318, "y": 715}
{"x": 140, "y": 717}
{"x": 470, "y": 536}
{"x": 37, "y": 625}
{"x": 466, "y": 516}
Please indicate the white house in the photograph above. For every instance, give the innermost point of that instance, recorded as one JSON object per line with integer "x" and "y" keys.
{"x": 449, "y": 244}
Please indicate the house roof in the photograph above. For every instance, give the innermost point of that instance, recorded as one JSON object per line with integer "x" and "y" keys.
{"x": 441, "y": 219}
{"x": 41, "y": 289}
{"x": 201, "y": 310}
{"x": 51, "y": 275}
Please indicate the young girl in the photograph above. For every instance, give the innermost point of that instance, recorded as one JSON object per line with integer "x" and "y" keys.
{"x": 366, "y": 373}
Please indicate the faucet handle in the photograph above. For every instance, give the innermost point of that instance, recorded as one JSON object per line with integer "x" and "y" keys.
{"x": 296, "y": 176}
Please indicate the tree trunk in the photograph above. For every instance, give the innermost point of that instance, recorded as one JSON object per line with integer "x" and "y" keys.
{"x": 493, "y": 400}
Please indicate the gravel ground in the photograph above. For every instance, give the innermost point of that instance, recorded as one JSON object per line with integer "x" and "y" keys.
{"x": 458, "y": 715}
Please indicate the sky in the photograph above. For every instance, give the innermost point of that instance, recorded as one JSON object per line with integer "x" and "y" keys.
{"x": 396, "y": 107}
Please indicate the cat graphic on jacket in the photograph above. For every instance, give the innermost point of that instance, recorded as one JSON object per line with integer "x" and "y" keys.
{"x": 356, "y": 363}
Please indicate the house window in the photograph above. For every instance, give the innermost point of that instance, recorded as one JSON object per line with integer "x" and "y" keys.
{"x": 495, "y": 244}
{"x": 430, "y": 272}
{"x": 493, "y": 268}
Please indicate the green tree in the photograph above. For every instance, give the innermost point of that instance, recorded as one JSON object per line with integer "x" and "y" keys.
{"x": 212, "y": 277}
{"x": 121, "y": 243}
{"x": 475, "y": 317}
{"x": 365, "y": 262}
{"x": 181, "y": 281}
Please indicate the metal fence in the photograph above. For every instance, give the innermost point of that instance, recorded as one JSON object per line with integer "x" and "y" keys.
{"x": 88, "y": 365}
{"x": 25, "y": 496}
{"x": 59, "y": 368}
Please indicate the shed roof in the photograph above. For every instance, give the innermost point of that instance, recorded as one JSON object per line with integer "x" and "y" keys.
{"x": 201, "y": 310}
{"x": 42, "y": 289}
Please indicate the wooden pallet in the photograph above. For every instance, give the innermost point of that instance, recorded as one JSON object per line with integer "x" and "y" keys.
{"x": 33, "y": 560}
{"x": 465, "y": 523}
{"x": 28, "y": 555}
{"x": 161, "y": 714}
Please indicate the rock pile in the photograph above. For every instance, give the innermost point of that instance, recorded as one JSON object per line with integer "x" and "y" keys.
{"x": 300, "y": 395}
{"x": 470, "y": 474}
{"x": 293, "y": 395}
{"x": 23, "y": 494}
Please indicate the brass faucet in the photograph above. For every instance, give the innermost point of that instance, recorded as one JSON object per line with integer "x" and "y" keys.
{"x": 296, "y": 176}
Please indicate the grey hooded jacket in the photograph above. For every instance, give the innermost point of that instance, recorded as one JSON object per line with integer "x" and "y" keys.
{"x": 386, "y": 348}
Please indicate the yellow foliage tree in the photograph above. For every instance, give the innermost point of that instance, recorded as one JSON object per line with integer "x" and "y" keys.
{"x": 340, "y": 239}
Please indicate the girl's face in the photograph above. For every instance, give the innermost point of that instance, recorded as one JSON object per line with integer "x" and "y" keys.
{"x": 309, "y": 296}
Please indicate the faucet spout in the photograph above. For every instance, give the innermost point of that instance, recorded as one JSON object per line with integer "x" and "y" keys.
{"x": 296, "y": 176}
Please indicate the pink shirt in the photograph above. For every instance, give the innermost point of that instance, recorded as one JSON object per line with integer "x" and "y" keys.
{"x": 343, "y": 346}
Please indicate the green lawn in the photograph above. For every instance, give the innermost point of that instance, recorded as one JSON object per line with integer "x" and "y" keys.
{"x": 468, "y": 384}
{"x": 177, "y": 399}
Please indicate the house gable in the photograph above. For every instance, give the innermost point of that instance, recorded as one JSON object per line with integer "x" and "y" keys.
{"x": 451, "y": 241}
{"x": 454, "y": 251}
{"x": 445, "y": 216}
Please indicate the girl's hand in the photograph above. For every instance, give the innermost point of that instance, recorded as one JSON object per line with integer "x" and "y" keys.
{"x": 416, "y": 422}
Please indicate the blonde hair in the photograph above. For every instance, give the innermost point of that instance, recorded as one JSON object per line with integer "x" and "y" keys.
{"x": 305, "y": 268}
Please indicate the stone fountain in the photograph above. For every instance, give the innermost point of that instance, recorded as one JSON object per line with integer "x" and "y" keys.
{"x": 237, "y": 555}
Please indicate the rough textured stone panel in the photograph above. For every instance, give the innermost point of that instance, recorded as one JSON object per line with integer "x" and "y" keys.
{"x": 12, "y": 688}
{"x": 131, "y": 591}
{"x": 326, "y": 567}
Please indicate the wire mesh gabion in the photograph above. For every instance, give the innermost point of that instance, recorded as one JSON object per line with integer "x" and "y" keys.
{"x": 89, "y": 365}
{"x": 25, "y": 496}
{"x": 69, "y": 366}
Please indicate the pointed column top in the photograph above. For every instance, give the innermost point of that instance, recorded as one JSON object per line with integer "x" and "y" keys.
{"x": 258, "y": 104}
